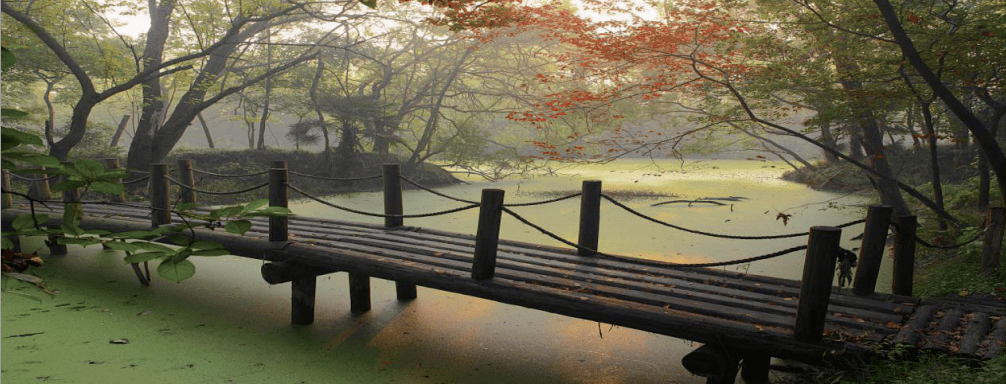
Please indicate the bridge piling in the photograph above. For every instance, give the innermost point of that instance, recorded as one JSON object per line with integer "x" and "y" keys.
{"x": 815, "y": 289}
{"x": 188, "y": 180}
{"x": 302, "y": 288}
{"x": 391, "y": 174}
{"x": 487, "y": 235}
{"x": 160, "y": 200}
{"x": 113, "y": 164}
{"x": 39, "y": 189}
{"x": 904, "y": 255}
{"x": 871, "y": 252}
{"x": 590, "y": 218}
{"x": 69, "y": 196}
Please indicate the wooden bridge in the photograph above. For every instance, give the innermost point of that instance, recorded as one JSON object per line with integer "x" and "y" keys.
{"x": 738, "y": 317}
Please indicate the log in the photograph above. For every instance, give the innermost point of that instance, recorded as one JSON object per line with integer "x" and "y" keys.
{"x": 188, "y": 180}
{"x": 878, "y": 220}
{"x": 713, "y": 362}
{"x": 590, "y": 217}
{"x": 302, "y": 300}
{"x": 359, "y": 292}
{"x": 975, "y": 332}
{"x": 487, "y": 235}
{"x": 393, "y": 209}
{"x": 941, "y": 337}
{"x": 998, "y": 338}
{"x": 755, "y": 367}
{"x": 904, "y": 255}
{"x": 992, "y": 244}
{"x": 279, "y": 196}
{"x": 286, "y": 271}
{"x": 160, "y": 203}
{"x": 911, "y": 332}
{"x": 818, "y": 274}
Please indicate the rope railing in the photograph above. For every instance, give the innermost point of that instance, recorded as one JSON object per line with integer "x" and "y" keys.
{"x": 460, "y": 200}
{"x": 214, "y": 174}
{"x": 673, "y": 265}
{"x": 139, "y": 180}
{"x": 717, "y": 235}
{"x": 362, "y": 178}
{"x": 249, "y": 189}
{"x": 372, "y": 214}
{"x": 25, "y": 178}
{"x": 926, "y": 244}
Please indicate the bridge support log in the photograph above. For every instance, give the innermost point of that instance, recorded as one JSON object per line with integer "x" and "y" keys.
{"x": 69, "y": 196}
{"x": 488, "y": 234}
{"x": 302, "y": 300}
{"x": 280, "y": 272}
{"x": 904, "y": 255}
{"x": 754, "y": 367}
{"x": 393, "y": 209}
{"x": 359, "y": 292}
{"x": 815, "y": 290}
{"x": 160, "y": 200}
{"x": 871, "y": 252}
{"x": 717, "y": 364}
{"x": 188, "y": 178}
{"x": 590, "y": 218}
{"x": 992, "y": 244}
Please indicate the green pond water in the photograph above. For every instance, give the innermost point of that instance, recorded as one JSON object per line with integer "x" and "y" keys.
{"x": 227, "y": 325}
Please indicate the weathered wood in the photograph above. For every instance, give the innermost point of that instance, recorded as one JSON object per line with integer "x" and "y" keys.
{"x": 39, "y": 190}
{"x": 69, "y": 196}
{"x": 187, "y": 177}
{"x": 590, "y": 217}
{"x": 818, "y": 274}
{"x": 942, "y": 334}
{"x": 871, "y": 252}
{"x": 992, "y": 243}
{"x": 302, "y": 300}
{"x": 359, "y": 292}
{"x": 997, "y": 341}
{"x": 911, "y": 332}
{"x": 755, "y": 367}
{"x": 975, "y": 332}
{"x": 393, "y": 209}
{"x": 487, "y": 235}
{"x": 286, "y": 271}
{"x": 113, "y": 164}
{"x": 279, "y": 196}
{"x": 904, "y": 255}
{"x": 160, "y": 203}
{"x": 716, "y": 363}
{"x": 391, "y": 174}
{"x": 8, "y": 200}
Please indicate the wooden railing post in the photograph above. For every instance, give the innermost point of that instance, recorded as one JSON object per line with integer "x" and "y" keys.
{"x": 815, "y": 290}
{"x": 160, "y": 200}
{"x": 992, "y": 244}
{"x": 39, "y": 190}
{"x": 279, "y": 196}
{"x": 391, "y": 174}
{"x": 113, "y": 164}
{"x": 8, "y": 200}
{"x": 871, "y": 252}
{"x": 904, "y": 255}
{"x": 188, "y": 178}
{"x": 487, "y": 235}
{"x": 590, "y": 217}
{"x": 69, "y": 197}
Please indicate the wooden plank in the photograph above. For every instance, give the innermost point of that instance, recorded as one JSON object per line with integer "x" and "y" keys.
{"x": 941, "y": 337}
{"x": 911, "y": 333}
{"x": 996, "y": 340}
{"x": 975, "y": 332}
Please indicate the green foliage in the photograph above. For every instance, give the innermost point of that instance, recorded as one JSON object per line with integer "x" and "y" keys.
{"x": 936, "y": 369}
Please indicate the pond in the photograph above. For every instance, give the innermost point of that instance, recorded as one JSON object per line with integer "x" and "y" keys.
{"x": 227, "y": 325}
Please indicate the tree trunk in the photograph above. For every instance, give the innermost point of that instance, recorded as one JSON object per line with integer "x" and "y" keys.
{"x": 118, "y": 131}
{"x": 268, "y": 91}
{"x": 206, "y": 130}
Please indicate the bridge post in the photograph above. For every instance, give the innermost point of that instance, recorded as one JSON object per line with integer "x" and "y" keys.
{"x": 113, "y": 164}
{"x": 590, "y": 218}
{"x": 904, "y": 255}
{"x": 391, "y": 174}
{"x": 160, "y": 200}
{"x": 992, "y": 244}
{"x": 871, "y": 252}
{"x": 487, "y": 235}
{"x": 302, "y": 290}
{"x": 818, "y": 275}
{"x": 8, "y": 200}
{"x": 188, "y": 179}
{"x": 39, "y": 190}
{"x": 70, "y": 197}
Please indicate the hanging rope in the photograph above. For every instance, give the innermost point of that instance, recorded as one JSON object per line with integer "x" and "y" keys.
{"x": 347, "y": 209}
{"x": 178, "y": 183}
{"x": 225, "y": 175}
{"x": 336, "y": 178}
{"x": 717, "y": 235}
{"x": 417, "y": 185}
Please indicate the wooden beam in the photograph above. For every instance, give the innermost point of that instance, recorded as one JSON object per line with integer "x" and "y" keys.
{"x": 488, "y": 234}
{"x": 359, "y": 292}
{"x": 871, "y": 252}
{"x": 818, "y": 274}
{"x": 280, "y": 272}
{"x": 590, "y": 217}
{"x": 904, "y": 255}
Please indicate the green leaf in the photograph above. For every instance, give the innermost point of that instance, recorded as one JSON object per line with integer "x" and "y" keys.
{"x": 270, "y": 212}
{"x": 7, "y": 58}
{"x": 71, "y": 229}
{"x": 238, "y": 226}
{"x": 145, "y": 256}
{"x": 255, "y": 204}
{"x": 372, "y": 4}
{"x": 26, "y": 222}
{"x": 68, "y": 185}
{"x": 154, "y": 247}
{"x": 97, "y": 232}
{"x": 81, "y": 241}
{"x": 72, "y": 213}
{"x": 107, "y": 187}
{"x": 179, "y": 239}
{"x": 226, "y": 212}
{"x": 35, "y": 158}
{"x": 113, "y": 175}
{"x": 132, "y": 235}
{"x": 123, "y": 246}
{"x": 89, "y": 167}
{"x": 6, "y": 243}
{"x": 176, "y": 271}
{"x": 206, "y": 245}
{"x": 186, "y": 206}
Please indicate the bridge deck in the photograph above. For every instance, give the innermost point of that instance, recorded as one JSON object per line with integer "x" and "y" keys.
{"x": 747, "y": 312}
